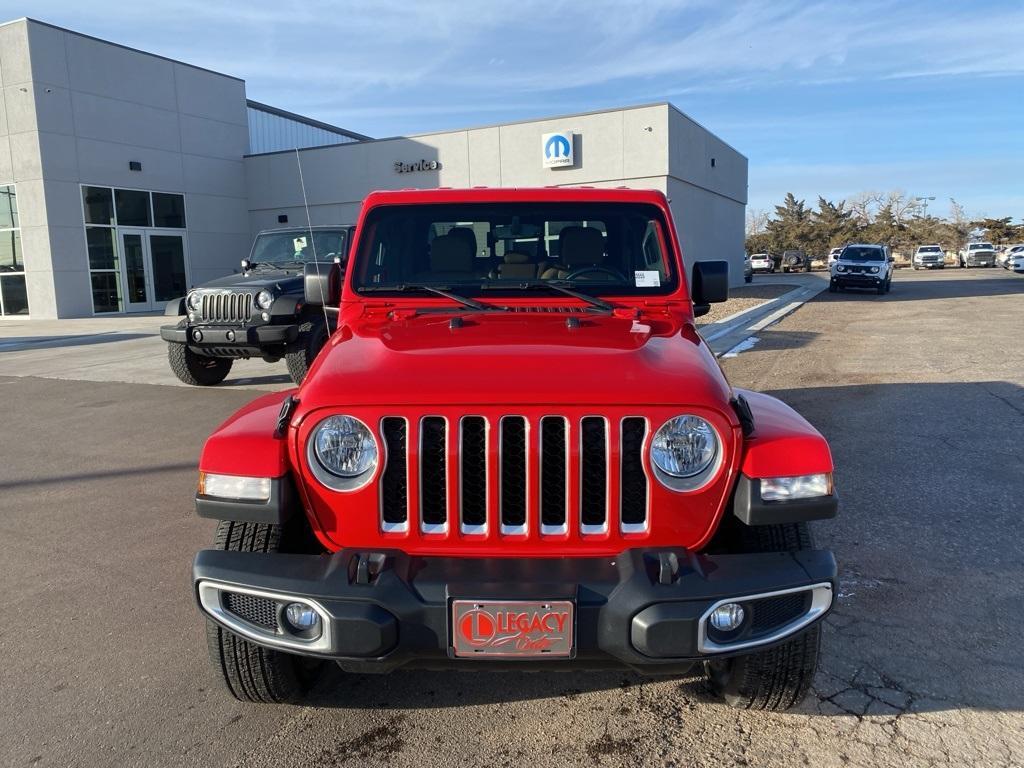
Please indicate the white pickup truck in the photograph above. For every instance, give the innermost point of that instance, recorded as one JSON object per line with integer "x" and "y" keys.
{"x": 978, "y": 255}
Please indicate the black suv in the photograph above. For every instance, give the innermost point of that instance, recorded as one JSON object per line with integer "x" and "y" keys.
{"x": 262, "y": 312}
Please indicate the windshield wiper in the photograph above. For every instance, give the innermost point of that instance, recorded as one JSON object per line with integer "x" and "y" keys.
{"x": 403, "y": 287}
{"x": 557, "y": 286}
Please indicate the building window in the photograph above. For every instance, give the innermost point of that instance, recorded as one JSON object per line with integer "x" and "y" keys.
{"x": 13, "y": 295}
{"x": 151, "y": 264}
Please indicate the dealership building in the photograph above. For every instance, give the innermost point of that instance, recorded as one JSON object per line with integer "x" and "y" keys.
{"x": 127, "y": 177}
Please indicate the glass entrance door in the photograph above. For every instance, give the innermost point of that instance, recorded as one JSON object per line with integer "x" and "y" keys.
{"x": 152, "y": 269}
{"x": 135, "y": 271}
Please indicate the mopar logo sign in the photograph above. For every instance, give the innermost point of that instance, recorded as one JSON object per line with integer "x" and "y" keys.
{"x": 557, "y": 149}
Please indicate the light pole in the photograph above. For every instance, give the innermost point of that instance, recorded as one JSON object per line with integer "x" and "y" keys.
{"x": 924, "y": 205}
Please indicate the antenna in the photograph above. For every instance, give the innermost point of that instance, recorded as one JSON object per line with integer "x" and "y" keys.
{"x": 312, "y": 240}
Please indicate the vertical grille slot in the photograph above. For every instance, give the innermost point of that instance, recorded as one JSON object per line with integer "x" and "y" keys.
{"x": 433, "y": 475}
{"x": 593, "y": 475}
{"x": 553, "y": 467}
{"x": 394, "y": 485}
{"x": 632, "y": 480}
{"x": 513, "y": 474}
{"x": 473, "y": 456}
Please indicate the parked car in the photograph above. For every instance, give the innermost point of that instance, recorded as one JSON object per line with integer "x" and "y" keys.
{"x": 862, "y": 265}
{"x": 832, "y": 256}
{"x": 1016, "y": 262}
{"x": 543, "y": 473}
{"x": 795, "y": 261}
{"x": 748, "y": 268}
{"x": 929, "y": 257}
{"x": 258, "y": 313}
{"x": 1007, "y": 254}
{"x": 762, "y": 262}
{"x": 978, "y": 255}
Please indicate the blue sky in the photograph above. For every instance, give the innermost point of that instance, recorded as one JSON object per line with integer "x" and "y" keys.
{"x": 823, "y": 98}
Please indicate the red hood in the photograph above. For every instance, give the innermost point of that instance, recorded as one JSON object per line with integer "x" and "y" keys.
{"x": 509, "y": 358}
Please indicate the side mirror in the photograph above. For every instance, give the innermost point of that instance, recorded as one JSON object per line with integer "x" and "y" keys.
{"x": 710, "y": 285}
{"x": 245, "y": 265}
{"x": 322, "y": 283}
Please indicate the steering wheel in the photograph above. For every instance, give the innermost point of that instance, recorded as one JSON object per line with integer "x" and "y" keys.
{"x": 603, "y": 270}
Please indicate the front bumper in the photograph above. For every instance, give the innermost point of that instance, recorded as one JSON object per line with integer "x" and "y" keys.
{"x": 979, "y": 261}
{"x": 644, "y": 609}
{"x": 864, "y": 280}
{"x": 213, "y": 338}
{"x": 930, "y": 264}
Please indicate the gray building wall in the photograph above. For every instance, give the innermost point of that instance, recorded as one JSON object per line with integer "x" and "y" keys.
{"x": 649, "y": 147}
{"x": 78, "y": 110}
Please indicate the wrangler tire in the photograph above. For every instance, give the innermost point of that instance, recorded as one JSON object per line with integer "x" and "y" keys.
{"x": 312, "y": 337}
{"x": 250, "y": 672}
{"x": 780, "y": 677}
{"x": 197, "y": 370}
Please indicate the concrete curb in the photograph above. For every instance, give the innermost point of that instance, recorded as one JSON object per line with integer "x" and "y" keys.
{"x": 725, "y": 335}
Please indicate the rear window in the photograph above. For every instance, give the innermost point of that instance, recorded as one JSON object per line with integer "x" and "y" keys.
{"x": 474, "y": 247}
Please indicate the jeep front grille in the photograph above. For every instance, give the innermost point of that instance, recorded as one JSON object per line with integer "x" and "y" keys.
{"x": 226, "y": 307}
{"x": 481, "y": 475}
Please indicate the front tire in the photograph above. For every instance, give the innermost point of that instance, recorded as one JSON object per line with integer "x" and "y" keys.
{"x": 250, "y": 672}
{"x": 312, "y": 337}
{"x": 194, "y": 369}
{"x": 780, "y": 677}
{"x": 832, "y": 287}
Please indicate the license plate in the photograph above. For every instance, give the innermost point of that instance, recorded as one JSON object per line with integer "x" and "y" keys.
{"x": 482, "y": 628}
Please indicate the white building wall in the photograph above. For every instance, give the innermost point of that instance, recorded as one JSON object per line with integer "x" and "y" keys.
{"x": 651, "y": 147}
{"x": 86, "y": 108}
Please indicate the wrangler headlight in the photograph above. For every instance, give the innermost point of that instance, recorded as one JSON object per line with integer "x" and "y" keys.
{"x": 685, "y": 451}
{"x": 264, "y": 299}
{"x": 874, "y": 270}
{"x": 345, "y": 447}
{"x": 193, "y": 301}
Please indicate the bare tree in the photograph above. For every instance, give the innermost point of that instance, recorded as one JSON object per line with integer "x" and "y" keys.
{"x": 757, "y": 221}
{"x": 864, "y": 206}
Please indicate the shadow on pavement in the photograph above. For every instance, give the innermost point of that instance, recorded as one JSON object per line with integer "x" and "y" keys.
{"x": 23, "y": 343}
{"x": 920, "y": 290}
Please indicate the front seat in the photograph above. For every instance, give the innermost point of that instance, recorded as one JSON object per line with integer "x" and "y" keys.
{"x": 451, "y": 258}
{"x": 578, "y": 247}
{"x": 466, "y": 234}
{"x": 517, "y": 266}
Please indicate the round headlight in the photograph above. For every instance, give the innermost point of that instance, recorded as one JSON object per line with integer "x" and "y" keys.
{"x": 840, "y": 268}
{"x": 684, "y": 446}
{"x": 264, "y": 299}
{"x": 874, "y": 270}
{"x": 344, "y": 446}
{"x": 193, "y": 301}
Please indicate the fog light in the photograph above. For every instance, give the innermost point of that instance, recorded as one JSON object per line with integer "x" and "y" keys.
{"x": 230, "y": 335}
{"x": 266, "y": 317}
{"x": 301, "y": 616}
{"x": 197, "y": 335}
{"x": 727, "y": 617}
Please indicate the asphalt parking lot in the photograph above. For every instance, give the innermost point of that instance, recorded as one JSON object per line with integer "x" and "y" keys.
{"x": 920, "y": 392}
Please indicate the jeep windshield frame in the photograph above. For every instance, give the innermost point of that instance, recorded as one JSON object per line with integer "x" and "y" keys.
{"x": 509, "y": 249}
{"x": 297, "y": 246}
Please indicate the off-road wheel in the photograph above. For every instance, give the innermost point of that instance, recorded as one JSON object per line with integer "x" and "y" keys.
{"x": 832, "y": 287}
{"x": 780, "y": 677}
{"x": 194, "y": 369}
{"x": 312, "y": 337}
{"x": 250, "y": 672}
{"x": 748, "y": 278}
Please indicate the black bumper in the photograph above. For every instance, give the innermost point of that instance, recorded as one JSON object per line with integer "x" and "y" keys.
{"x": 212, "y": 337}
{"x": 643, "y": 609}
{"x": 859, "y": 280}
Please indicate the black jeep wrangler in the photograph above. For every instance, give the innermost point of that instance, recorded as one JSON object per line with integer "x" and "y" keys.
{"x": 262, "y": 312}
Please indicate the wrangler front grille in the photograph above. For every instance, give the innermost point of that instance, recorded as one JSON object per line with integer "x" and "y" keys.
{"x": 226, "y": 307}
{"x": 514, "y": 475}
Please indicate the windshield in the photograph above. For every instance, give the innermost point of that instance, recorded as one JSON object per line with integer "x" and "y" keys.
{"x": 929, "y": 249}
{"x": 861, "y": 253}
{"x": 980, "y": 247}
{"x": 297, "y": 246}
{"x": 472, "y": 247}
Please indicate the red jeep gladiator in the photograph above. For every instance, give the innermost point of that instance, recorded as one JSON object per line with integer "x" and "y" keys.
{"x": 516, "y": 452}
